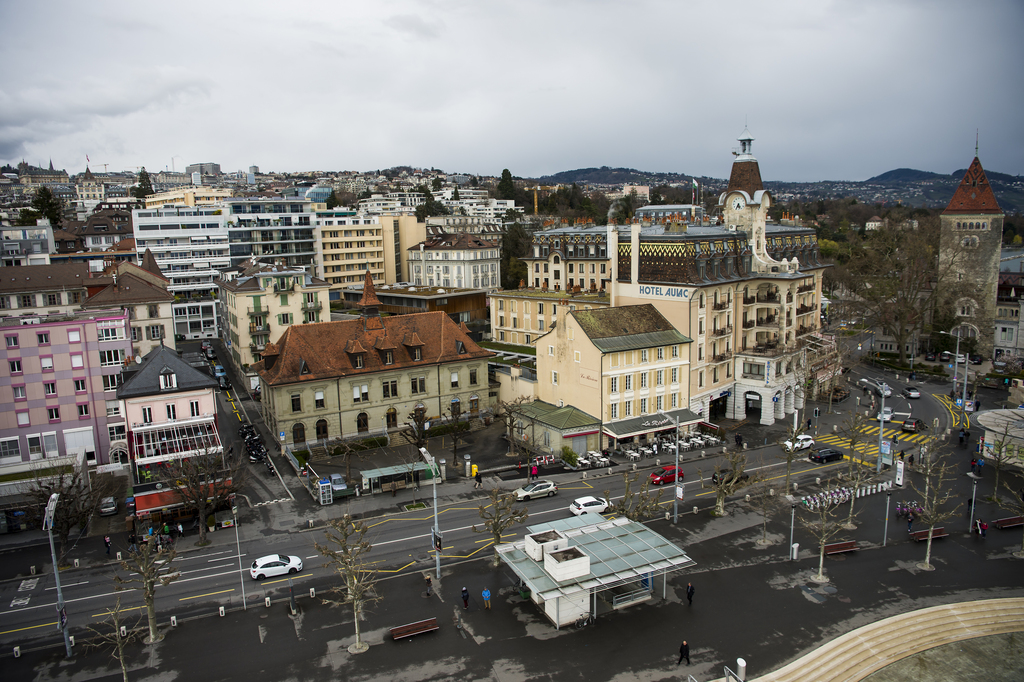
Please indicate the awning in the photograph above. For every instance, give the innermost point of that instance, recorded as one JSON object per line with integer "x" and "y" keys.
{"x": 145, "y": 503}
{"x": 650, "y": 423}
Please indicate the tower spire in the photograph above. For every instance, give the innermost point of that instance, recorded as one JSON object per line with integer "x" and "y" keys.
{"x": 976, "y": 143}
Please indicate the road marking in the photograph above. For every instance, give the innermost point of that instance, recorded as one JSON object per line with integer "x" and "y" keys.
{"x": 313, "y": 557}
{"x": 107, "y": 613}
{"x": 84, "y": 582}
{"x": 284, "y": 580}
{"x": 208, "y": 594}
{"x": 20, "y": 601}
{"x": 30, "y": 627}
{"x": 28, "y": 584}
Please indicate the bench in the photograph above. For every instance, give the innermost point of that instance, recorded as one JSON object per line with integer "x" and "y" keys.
{"x": 1009, "y": 522}
{"x": 919, "y": 535}
{"x": 840, "y": 547}
{"x": 417, "y": 628}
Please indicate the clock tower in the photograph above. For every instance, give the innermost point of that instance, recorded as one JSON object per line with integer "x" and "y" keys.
{"x": 745, "y": 201}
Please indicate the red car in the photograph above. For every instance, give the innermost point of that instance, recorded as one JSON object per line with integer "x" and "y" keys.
{"x": 666, "y": 475}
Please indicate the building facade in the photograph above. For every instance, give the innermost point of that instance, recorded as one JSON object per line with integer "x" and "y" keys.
{"x": 348, "y": 245}
{"x": 34, "y": 290}
{"x": 463, "y": 261}
{"x": 271, "y": 228}
{"x": 520, "y": 317}
{"x": 564, "y": 257}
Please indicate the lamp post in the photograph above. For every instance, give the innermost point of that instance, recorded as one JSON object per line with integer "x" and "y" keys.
{"x": 238, "y": 548}
{"x": 436, "y": 535}
{"x": 675, "y": 493}
{"x": 62, "y": 616}
{"x": 956, "y": 364}
{"x": 881, "y": 427}
{"x": 970, "y": 514}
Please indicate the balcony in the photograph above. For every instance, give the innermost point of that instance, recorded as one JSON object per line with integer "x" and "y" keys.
{"x": 258, "y": 346}
{"x": 767, "y": 298}
{"x": 722, "y": 357}
{"x": 724, "y": 305}
{"x": 311, "y": 306}
{"x": 749, "y": 300}
{"x": 724, "y": 331}
{"x": 769, "y": 321}
{"x": 770, "y": 349}
{"x": 257, "y": 311}
{"x": 804, "y": 309}
{"x": 803, "y": 330}
{"x": 749, "y": 324}
{"x": 257, "y": 328}
{"x": 805, "y": 289}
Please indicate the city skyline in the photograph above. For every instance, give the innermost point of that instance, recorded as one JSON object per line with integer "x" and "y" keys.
{"x": 833, "y": 91}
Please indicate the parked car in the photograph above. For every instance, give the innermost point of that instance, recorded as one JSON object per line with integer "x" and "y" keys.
{"x": 914, "y": 425}
{"x": 205, "y": 344}
{"x": 728, "y": 475}
{"x": 825, "y": 455}
{"x": 218, "y": 371}
{"x": 210, "y": 355}
{"x": 930, "y": 357}
{"x": 108, "y": 506}
{"x": 945, "y": 356}
{"x": 803, "y": 442}
{"x": 911, "y": 392}
{"x": 961, "y": 358}
{"x": 976, "y": 359}
{"x": 588, "y": 505}
{"x": 885, "y": 415}
{"x": 274, "y": 564}
{"x": 338, "y": 483}
{"x": 666, "y": 474}
{"x": 535, "y": 489}
{"x": 223, "y": 383}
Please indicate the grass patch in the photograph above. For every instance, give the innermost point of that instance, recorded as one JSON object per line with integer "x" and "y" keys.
{"x": 491, "y": 345}
{"x": 33, "y": 473}
{"x": 414, "y": 507}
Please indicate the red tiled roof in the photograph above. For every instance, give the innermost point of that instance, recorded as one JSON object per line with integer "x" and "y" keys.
{"x": 327, "y": 347}
{"x": 369, "y": 293}
{"x": 974, "y": 195}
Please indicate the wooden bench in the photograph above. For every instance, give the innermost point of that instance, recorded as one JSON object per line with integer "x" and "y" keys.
{"x": 1009, "y": 522}
{"x": 919, "y": 535}
{"x": 417, "y": 628}
{"x": 840, "y": 547}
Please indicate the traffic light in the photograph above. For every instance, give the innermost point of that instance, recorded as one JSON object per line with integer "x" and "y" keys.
{"x": 436, "y": 537}
{"x": 817, "y": 412}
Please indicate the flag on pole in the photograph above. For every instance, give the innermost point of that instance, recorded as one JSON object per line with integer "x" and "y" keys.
{"x": 694, "y": 183}
{"x": 87, "y": 158}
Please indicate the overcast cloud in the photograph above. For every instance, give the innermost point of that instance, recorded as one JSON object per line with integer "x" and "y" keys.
{"x": 830, "y": 90}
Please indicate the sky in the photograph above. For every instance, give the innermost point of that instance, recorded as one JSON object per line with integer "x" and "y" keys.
{"x": 830, "y": 90}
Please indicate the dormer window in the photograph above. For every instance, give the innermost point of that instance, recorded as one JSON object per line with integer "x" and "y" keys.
{"x": 389, "y": 358}
{"x": 417, "y": 353}
{"x": 460, "y": 347}
{"x": 357, "y": 361}
{"x": 168, "y": 380}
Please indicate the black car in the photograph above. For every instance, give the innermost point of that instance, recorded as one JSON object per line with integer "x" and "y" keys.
{"x": 930, "y": 357}
{"x": 914, "y": 425}
{"x": 975, "y": 359}
{"x": 728, "y": 476}
{"x": 825, "y": 455}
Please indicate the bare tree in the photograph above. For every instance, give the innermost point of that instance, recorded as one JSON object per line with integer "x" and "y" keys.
{"x": 203, "y": 482}
{"x": 936, "y": 492}
{"x": 78, "y": 499}
{"x": 344, "y": 449}
{"x": 857, "y": 473}
{"x": 635, "y": 505}
{"x": 767, "y": 503}
{"x": 727, "y": 481}
{"x": 345, "y": 551}
{"x": 416, "y": 432}
{"x": 453, "y": 418}
{"x": 510, "y": 412}
{"x": 821, "y": 522}
{"x": 791, "y": 452}
{"x": 1002, "y": 454}
{"x": 113, "y": 638}
{"x": 149, "y": 568}
{"x": 1014, "y": 503}
{"x": 500, "y": 515}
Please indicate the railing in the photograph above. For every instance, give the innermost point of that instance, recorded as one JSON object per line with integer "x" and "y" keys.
{"x": 804, "y": 309}
{"x": 805, "y": 288}
{"x": 768, "y": 298}
{"x": 724, "y": 305}
{"x": 768, "y": 321}
{"x": 257, "y": 328}
{"x": 802, "y": 330}
{"x": 258, "y": 311}
{"x": 749, "y": 300}
{"x": 749, "y": 324}
{"x": 311, "y": 305}
{"x": 722, "y": 332}
{"x": 257, "y": 347}
{"x": 789, "y": 297}
{"x": 722, "y": 357}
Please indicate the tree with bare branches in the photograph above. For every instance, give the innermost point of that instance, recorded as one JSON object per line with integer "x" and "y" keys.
{"x": 1003, "y": 453}
{"x": 110, "y": 636}
{"x": 767, "y": 503}
{"x": 822, "y": 523}
{"x": 510, "y": 412}
{"x": 726, "y": 481}
{"x": 936, "y": 477}
{"x": 149, "y": 568}
{"x": 857, "y": 473}
{"x": 790, "y": 452}
{"x": 345, "y": 551}
{"x": 1014, "y": 503}
{"x": 415, "y": 433}
{"x": 79, "y": 499}
{"x": 499, "y": 515}
{"x": 635, "y": 505}
{"x": 203, "y": 482}
{"x": 453, "y": 418}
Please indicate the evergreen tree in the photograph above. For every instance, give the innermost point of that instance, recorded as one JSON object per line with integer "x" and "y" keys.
{"x": 144, "y": 187}
{"x": 506, "y": 187}
{"x": 48, "y": 205}
{"x": 455, "y": 194}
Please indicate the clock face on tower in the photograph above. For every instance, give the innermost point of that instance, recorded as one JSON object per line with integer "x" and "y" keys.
{"x": 738, "y": 203}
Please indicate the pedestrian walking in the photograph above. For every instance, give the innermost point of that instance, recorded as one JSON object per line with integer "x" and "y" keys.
{"x": 739, "y": 440}
{"x": 533, "y": 472}
{"x": 911, "y": 460}
{"x": 910, "y": 522}
{"x": 974, "y": 464}
{"x": 684, "y": 652}
{"x": 487, "y": 599}
{"x": 808, "y": 424}
{"x": 689, "y": 593}
{"x": 428, "y": 585}
{"x": 981, "y": 464}
{"x": 132, "y": 546}
{"x": 465, "y": 598}
{"x": 961, "y": 437}
{"x": 181, "y": 530}
{"x": 479, "y": 480}
{"x": 983, "y": 527}
{"x": 106, "y": 543}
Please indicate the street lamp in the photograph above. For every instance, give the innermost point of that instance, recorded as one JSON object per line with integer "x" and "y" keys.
{"x": 238, "y": 548}
{"x": 436, "y": 535}
{"x": 675, "y": 496}
{"x": 881, "y": 428}
{"x": 62, "y": 616}
{"x": 956, "y": 363}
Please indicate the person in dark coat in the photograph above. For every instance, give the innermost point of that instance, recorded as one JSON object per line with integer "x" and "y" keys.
{"x": 689, "y": 593}
{"x": 465, "y": 598}
{"x": 428, "y": 585}
{"x": 684, "y": 652}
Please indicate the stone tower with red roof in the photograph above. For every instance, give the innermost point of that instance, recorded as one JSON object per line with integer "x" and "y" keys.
{"x": 972, "y": 235}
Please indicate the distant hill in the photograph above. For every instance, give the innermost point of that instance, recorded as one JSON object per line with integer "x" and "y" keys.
{"x": 905, "y": 175}
{"x": 612, "y": 176}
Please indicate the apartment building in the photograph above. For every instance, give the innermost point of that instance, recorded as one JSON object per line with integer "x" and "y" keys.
{"x": 563, "y": 257}
{"x": 271, "y": 228}
{"x": 520, "y": 317}
{"x": 262, "y": 303}
{"x": 59, "y": 377}
{"x": 35, "y": 290}
{"x": 142, "y": 291}
{"x": 464, "y": 261}
{"x": 26, "y": 245}
{"x": 189, "y": 196}
{"x": 349, "y": 245}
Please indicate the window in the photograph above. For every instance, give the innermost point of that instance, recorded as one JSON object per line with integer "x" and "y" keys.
{"x": 155, "y": 332}
{"x": 28, "y": 301}
{"x": 660, "y": 403}
{"x": 10, "y": 448}
{"x": 675, "y": 375}
{"x": 643, "y": 380}
{"x": 359, "y": 361}
{"x": 554, "y": 378}
{"x": 12, "y": 341}
{"x": 472, "y": 377}
{"x": 627, "y": 408}
{"x": 19, "y": 393}
{"x": 675, "y": 351}
{"x": 614, "y": 388}
{"x": 296, "y": 403}
{"x": 391, "y": 388}
{"x": 628, "y": 380}
{"x": 700, "y": 379}
{"x": 551, "y": 351}
{"x": 110, "y": 333}
{"x": 389, "y": 358}
{"x": 147, "y": 415}
{"x": 660, "y": 378}
{"x": 53, "y": 414}
{"x": 50, "y": 388}
{"x": 614, "y": 414}
{"x": 643, "y": 405}
{"x": 23, "y": 419}
{"x": 417, "y": 353}
{"x": 77, "y": 362}
{"x": 114, "y": 432}
{"x": 43, "y": 338}
{"x": 661, "y": 353}
{"x": 193, "y": 408}
{"x": 110, "y": 358}
{"x": 675, "y": 400}
{"x": 419, "y": 385}
{"x": 318, "y": 399}
{"x": 15, "y": 366}
{"x": 112, "y": 381}
{"x": 113, "y": 408}
{"x": 46, "y": 363}
{"x": 455, "y": 379}
{"x": 643, "y": 355}
{"x": 361, "y": 394}
{"x": 74, "y": 336}
{"x": 80, "y": 386}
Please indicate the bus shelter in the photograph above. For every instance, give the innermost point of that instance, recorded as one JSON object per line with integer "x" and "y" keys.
{"x": 389, "y": 479}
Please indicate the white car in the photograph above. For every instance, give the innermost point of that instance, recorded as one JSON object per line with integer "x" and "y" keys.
{"x": 274, "y": 564}
{"x": 337, "y": 483}
{"x": 911, "y": 392}
{"x": 803, "y": 442}
{"x": 535, "y": 489}
{"x": 885, "y": 415}
{"x": 588, "y": 505}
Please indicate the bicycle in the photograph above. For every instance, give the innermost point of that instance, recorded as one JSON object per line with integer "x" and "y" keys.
{"x": 584, "y": 621}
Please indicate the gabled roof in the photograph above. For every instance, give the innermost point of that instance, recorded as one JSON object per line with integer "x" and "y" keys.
{"x": 128, "y": 290}
{"x": 460, "y": 240}
{"x": 29, "y": 278}
{"x": 146, "y": 380}
{"x": 149, "y": 263}
{"x": 627, "y": 327}
{"x": 328, "y": 348}
{"x": 974, "y": 194}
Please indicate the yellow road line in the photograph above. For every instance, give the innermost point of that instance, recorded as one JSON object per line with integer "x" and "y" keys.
{"x": 107, "y": 613}
{"x": 282, "y": 580}
{"x": 396, "y": 570}
{"x": 32, "y": 627}
{"x": 208, "y": 594}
